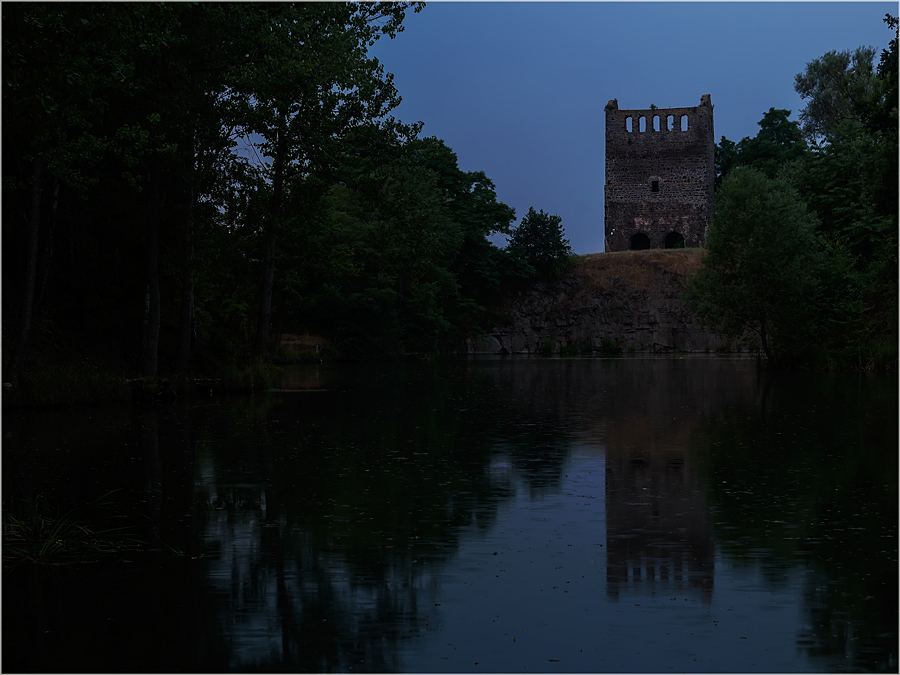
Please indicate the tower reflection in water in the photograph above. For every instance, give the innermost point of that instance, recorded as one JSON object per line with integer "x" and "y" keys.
{"x": 659, "y": 536}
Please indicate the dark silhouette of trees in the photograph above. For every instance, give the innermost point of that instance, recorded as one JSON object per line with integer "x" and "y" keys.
{"x": 185, "y": 182}
{"x": 841, "y": 158}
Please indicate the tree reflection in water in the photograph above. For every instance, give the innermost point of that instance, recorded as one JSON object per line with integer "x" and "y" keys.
{"x": 327, "y": 550}
{"x": 805, "y": 479}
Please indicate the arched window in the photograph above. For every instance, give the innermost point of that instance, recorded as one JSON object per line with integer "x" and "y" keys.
{"x": 640, "y": 242}
{"x": 684, "y": 122}
{"x": 643, "y": 123}
{"x": 670, "y": 122}
{"x": 656, "y": 123}
{"x": 628, "y": 124}
{"x": 674, "y": 240}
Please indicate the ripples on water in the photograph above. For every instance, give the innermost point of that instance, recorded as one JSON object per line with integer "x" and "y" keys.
{"x": 481, "y": 516}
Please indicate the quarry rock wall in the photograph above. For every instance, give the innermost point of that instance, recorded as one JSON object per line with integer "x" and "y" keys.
{"x": 629, "y": 302}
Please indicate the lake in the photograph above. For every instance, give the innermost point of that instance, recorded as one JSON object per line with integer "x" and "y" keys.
{"x": 482, "y": 515}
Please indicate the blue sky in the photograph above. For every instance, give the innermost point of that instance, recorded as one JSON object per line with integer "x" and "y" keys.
{"x": 517, "y": 89}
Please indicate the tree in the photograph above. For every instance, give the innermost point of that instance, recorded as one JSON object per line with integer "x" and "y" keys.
{"x": 538, "y": 241}
{"x": 837, "y": 87}
{"x": 422, "y": 266}
{"x": 392, "y": 255}
{"x": 778, "y": 142}
{"x": 761, "y": 267}
{"x": 470, "y": 202}
{"x": 310, "y": 82}
{"x": 202, "y": 117}
{"x": 882, "y": 113}
{"x": 850, "y": 179}
{"x": 55, "y": 85}
{"x": 726, "y": 155}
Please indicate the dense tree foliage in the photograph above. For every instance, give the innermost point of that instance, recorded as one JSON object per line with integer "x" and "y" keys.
{"x": 762, "y": 267}
{"x": 851, "y": 180}
{"x": 184, "y": 182}
{"x": 779, "y": 141}
{"x": 416, "y": 270}
{"x": 841, "y": 158}
{"x": 539, "y": 243}
{"x": 837, "y": 88}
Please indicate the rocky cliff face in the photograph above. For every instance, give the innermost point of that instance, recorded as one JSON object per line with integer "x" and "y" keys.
{"x": 629, "y": 301}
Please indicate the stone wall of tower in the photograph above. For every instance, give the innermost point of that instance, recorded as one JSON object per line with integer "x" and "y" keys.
{"x": 660, "y": 175}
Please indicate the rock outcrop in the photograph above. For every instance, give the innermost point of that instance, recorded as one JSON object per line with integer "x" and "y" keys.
{"x": 630, "y": 301}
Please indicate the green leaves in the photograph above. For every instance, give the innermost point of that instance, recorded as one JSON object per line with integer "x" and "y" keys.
{"x": 778, "y": 142}
{"x": 308, "y": 76}
{"x": 761, "y": 271}
{"x": 851, "y": 178}
{"x": 538, "y": 241}
{"x": 836, "y": 86}
{"x": 848, "y": 178}
{"x": 348, "y": 222}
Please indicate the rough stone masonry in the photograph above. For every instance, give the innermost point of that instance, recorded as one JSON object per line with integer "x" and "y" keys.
{"x": 660, "y": 176}
{"x": 633, "y": 302}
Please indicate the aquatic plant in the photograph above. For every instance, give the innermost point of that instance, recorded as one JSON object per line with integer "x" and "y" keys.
{"x": 31, "y": 534}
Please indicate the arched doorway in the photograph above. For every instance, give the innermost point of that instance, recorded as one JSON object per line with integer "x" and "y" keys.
{"x": 640, "y": 242}
{"x": 674, "y": 240}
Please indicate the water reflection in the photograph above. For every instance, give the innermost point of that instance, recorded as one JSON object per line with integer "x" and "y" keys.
{"x": 658, "y": 528}
{"x": 810, "y": 483}
{"x": 599, "y": 515}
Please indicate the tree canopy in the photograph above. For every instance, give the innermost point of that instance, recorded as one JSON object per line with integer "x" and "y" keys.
{"x": 778, "y": 142}
{"x": 185, "y": 182}
{"x": 841, "y": 159}
{"x": 850, "y": 180}
{"x": 538, "y": 242}
{"x": 761, "y": 266}
{"x": 837, "y": 87}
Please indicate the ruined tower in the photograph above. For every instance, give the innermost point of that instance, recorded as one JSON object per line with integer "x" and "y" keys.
{"x": 660, "y": 176}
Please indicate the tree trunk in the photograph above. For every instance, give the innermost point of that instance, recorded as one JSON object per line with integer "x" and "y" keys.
{"x": 47, "y": 253}
{"x": 187, "y": 277}
{"x": 187, "y": 303}
{"x": 187, "y": 293}
{"x": 265, "y": 305}
{"x": 763, "y": 336}
{"x": 18, "y": 357}
{"x": 279, "y": 320}
{"x": 149, "y": 358}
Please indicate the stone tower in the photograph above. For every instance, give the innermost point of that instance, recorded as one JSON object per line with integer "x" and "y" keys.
{"x": 660, "y": 176}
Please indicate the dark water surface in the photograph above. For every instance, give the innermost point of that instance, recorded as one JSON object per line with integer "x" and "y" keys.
{"x": 478, "y": 516}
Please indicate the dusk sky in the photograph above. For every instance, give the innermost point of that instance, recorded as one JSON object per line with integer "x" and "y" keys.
{"x": 517, "y": 89}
